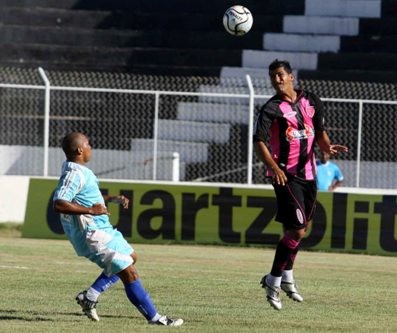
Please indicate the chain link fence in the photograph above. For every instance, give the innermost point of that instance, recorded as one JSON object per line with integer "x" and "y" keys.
{"x": 137, "y": 123}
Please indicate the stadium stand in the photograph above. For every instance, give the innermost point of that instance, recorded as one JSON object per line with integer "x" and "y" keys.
{"x": 341, "y": 40}
{"x": 150, "y": 37}
{"x": 174, "y": 45}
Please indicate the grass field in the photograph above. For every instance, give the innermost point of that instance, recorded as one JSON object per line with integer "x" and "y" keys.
{"x": 214, "y": 288}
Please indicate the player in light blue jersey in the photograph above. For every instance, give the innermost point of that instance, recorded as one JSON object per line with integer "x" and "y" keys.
{"x": 85, "y": 220}
{"x": 329, "y": 176}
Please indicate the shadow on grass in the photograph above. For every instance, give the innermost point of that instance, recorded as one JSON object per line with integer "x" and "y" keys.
{"x": 32, "y": 316}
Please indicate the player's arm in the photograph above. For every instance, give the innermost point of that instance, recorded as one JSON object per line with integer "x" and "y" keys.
{"x": 325, "y": 145}
{"x": 321, "y": 135}
{"x": 72, "y": 208}
{"x": 120, "y": 199}
{"x": 338, "y": 178}
{"x": 335, "y": 185}
{"x": 261, "y": 136}
{"x": 264, "y": 155}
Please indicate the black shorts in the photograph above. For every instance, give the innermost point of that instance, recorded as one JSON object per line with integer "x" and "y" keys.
{"x": 296, "y": 202}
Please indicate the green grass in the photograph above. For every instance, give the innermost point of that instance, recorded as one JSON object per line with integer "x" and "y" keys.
{"x": 10, "y": 229}
{"x": 214, "y": 288}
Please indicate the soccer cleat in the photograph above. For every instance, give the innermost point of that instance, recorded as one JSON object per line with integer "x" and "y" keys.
{"x": 87, "y": 306}
{"x": 292, "y": 292}
{"x": 272, "y": 294}
{"x": 165, "y": 321}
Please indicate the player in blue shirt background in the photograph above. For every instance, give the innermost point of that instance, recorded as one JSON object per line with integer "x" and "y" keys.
{"x": 85, "y": 220}
{"x": 329, "y": 176}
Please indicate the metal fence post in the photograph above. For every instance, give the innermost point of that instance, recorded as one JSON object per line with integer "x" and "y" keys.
{"x": 360, "y": 128}
{"x": 250, "y": 129}
{"x": 155, "y": 133}
{"x": 175, "y": 167}
{"x": 46, "y": 119}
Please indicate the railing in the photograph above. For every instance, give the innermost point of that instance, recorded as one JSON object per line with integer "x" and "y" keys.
{"x": 347, "y": 117}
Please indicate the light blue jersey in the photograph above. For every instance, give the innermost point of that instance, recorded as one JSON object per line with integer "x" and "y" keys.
{"x": 92, "y": 236}
{"x": 326, "y": 174}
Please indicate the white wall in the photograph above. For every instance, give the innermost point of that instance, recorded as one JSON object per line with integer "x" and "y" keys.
{"x": 13, "y": 198}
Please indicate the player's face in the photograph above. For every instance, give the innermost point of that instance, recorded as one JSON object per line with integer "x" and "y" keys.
{"x": 282, "y": 81}
{"x": 324, "y": 157}
{"x": 86, "y": 147}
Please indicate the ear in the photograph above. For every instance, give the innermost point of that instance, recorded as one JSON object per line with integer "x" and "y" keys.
{"x": 79, "y": 151}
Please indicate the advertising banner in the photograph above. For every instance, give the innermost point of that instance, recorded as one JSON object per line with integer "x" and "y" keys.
{"x": 229, "y": 215}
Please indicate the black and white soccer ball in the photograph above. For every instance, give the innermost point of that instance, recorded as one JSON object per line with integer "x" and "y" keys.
{"x": 237, "y": 20}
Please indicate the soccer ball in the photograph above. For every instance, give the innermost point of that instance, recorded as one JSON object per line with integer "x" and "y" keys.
{"x": 237, "y": 20}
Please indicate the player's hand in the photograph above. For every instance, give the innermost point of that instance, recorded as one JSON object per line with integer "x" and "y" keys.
{"x": 334, "y": 149}
{"x": 122, "y": 200}
{"x": 279, "y": 176}
{"x": 99, "y": 209}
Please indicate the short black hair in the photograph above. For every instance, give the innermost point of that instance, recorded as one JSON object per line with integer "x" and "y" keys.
{"x": 280, "y": 63}
{"x": 71, "y": 142}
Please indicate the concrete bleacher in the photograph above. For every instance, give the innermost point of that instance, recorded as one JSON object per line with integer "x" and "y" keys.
{"x": 190, "y": 152}
{"x": 110, "y": 164}
{"x": 344, "y": 38}
{"x": 130, "y": 36}
{"x": 178, "y": 38}
{"x": 193, "y": 131}
{"x": 138, "y": 164}
{"x": 335, "y": 46}
{"x": 214, "y": 112}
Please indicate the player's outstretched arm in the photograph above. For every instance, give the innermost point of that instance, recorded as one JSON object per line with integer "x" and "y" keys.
{"x": 120, "y": 199}
{"x": 325, "y": 145}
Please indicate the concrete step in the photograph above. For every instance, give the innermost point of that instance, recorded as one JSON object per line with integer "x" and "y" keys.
{"x": 28, "y": 160}
{"x": 370, "y": 44}
{"x": 53, "y": 17}
{"x": 235, "y": 90}
{"x": 349, "y": 89}
{"x": 352, "y": 75}
{"x": 343, "y": 8}
{"x": 106, "y": 58}
{"x": 301, "y": 42}
{"x": 389, "y": 9}
{"x": 262, "y": 59}
{"x": 271, "y": 7}
{"x": 191, "y": 131}
{"x": 384, "y": 26}
{"x": 88, "y": 37}
{"x": 218, "y": 113}
{"x": 343, "y": 26}
{"x": 218, "y": 89}
{"x": 237, "y": 76}
{"x": 358, "y": 61}
{"x": 190, "y": 152}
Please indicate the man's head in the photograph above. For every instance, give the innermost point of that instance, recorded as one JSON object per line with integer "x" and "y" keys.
{"x": 324, "y": 157}
{"x": 280, "y": 73}
{"x": 76, "y": 147}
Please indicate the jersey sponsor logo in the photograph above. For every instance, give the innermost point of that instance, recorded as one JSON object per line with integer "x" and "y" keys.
{"x": 294, "y": 134}
{"x": 289, "y": 114}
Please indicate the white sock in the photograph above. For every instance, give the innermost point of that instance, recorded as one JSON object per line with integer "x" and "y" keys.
{"x": 92, "y": 294}
{"x": 155, "y": 318}
{"x": 288, "y": 276}
{"x": 274, "y": 281}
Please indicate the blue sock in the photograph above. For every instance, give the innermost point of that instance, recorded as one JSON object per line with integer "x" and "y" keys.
{"x": 141, "y": 299}
{"x": 103, "y": 282}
